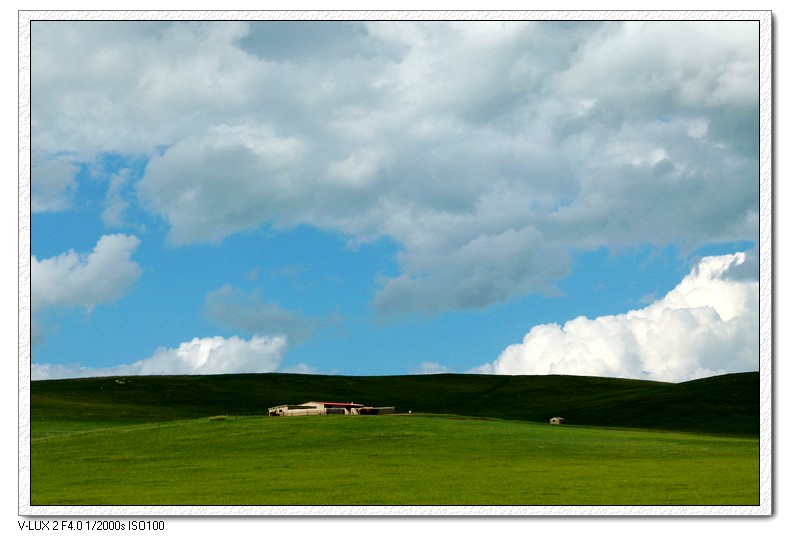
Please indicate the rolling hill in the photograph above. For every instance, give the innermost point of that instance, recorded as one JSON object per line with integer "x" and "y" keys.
{"x": 727, "y": 405}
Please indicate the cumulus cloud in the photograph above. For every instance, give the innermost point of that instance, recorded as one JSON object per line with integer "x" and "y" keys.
{"x": 131, "y": 87}
{"x": 706, "y": 325}
{"x": 489, "y": 151}
{"x": 229, "y": 179}
{"x": 77, "y": 280}
{"x": 209, "y": 355}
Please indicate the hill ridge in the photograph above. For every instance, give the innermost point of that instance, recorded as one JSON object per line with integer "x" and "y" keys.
{"x": 727, "y": 404}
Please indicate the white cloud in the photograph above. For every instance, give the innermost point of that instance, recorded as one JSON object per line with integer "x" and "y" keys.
{"x": 209, "y": 355}
{"x": 228, "y": 179}
{"x": 217, "y": 355}
{"x": 429, "y": 367}
{"x": 116, "y": 203}
{"x": 52, "y": 185}
{"x": 488, "y": 269}
{"x": 488, "y": 151}
{"x": 78, "y": 280}
{"x": 707, "y": 325}
{"x": 131, "y": 87}
{"x": 301, "y": 368}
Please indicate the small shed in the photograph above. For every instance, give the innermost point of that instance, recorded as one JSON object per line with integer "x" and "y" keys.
{"x": 556, "y": 420}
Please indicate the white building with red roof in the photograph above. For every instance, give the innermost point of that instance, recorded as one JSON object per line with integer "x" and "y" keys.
{"x": 327, "y": 408}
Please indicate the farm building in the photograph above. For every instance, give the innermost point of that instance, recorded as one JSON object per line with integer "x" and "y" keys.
{"x": 328, "y": 408}
{"x": 556, "y": 420}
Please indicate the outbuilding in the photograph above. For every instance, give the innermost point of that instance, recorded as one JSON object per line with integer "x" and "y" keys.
{"x": 382, "y": 410}
{"x": 556, "y": 420}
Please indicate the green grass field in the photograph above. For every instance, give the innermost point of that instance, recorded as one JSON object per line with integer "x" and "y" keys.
{"x": 196, "y": 441}
{"x": 389, "y": 460}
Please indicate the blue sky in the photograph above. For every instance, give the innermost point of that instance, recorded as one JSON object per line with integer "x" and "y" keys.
{"x": 394, "y": 198}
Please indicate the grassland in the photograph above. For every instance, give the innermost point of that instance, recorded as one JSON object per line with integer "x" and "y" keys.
{"x": 203, "y": 441}
{"x": 728, "y": 404}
